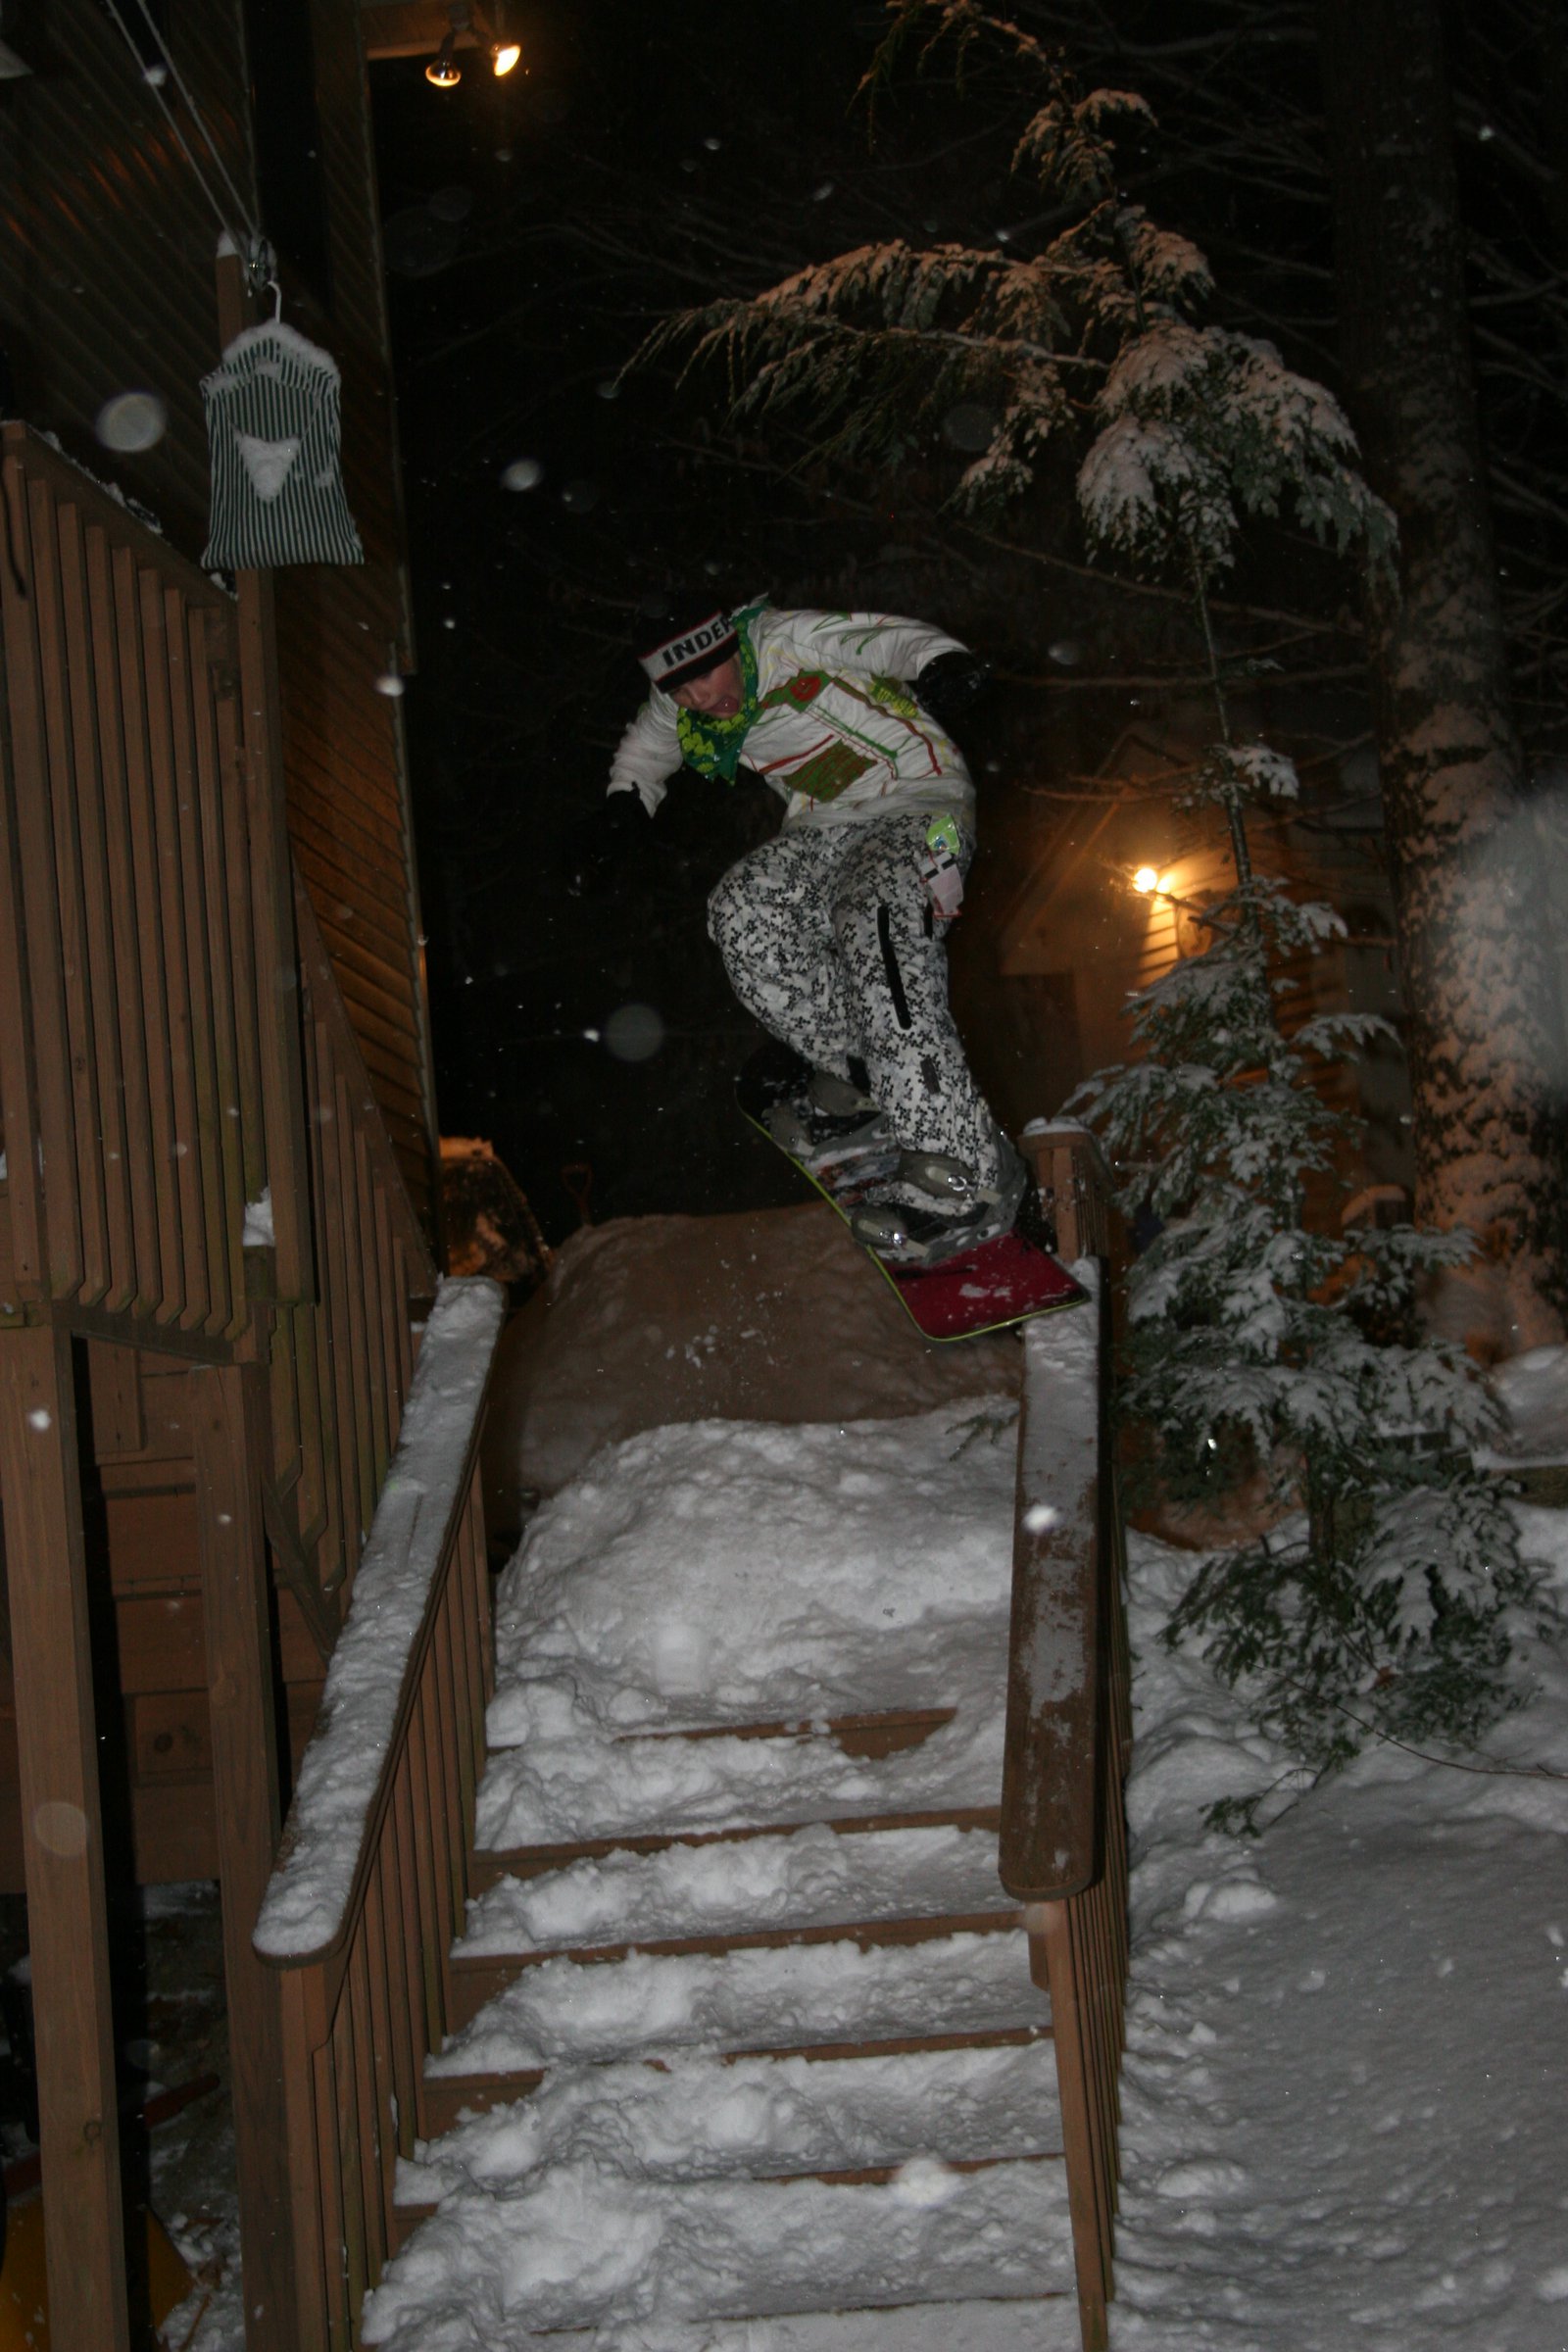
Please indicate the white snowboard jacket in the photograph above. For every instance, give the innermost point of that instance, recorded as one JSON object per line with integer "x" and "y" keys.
{"x": 838, "y": 736}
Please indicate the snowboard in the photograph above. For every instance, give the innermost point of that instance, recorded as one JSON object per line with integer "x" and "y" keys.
{"x": 1005, "y": 1280}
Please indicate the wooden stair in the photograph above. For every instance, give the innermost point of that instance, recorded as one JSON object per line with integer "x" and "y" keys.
{"x": 826, "y": 2071}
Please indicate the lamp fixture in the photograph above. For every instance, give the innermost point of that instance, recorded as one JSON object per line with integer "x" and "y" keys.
{"x": 443, "y": 67}
{"x": 495, "y": 40}
{"x": 504, "y": 50}
{"x": 1145, "y": 881}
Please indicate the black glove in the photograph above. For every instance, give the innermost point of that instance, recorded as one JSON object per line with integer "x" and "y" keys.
{"x": 599, "y": 847}
{"x": 949, "y": 684}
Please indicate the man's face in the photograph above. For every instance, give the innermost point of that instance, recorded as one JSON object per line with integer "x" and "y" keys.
{"x": 716, "y": 694}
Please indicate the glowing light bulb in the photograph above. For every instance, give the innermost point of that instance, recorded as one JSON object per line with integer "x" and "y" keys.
{"x": 1146, "y": 880}
{"x": 503, "y": 56}
{"x": 443, "y": 68}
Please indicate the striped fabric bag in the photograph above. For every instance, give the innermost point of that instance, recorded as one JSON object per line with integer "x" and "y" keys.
{"x": 273, "y": 430}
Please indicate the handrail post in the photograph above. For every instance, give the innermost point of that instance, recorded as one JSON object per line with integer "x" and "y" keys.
{"x": 62, "y": 1830}
{"x": 1063, "y": 1849}
{"x": 231, "y": 1444}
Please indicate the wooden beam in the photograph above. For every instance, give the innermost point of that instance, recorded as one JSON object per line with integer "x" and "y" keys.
{"x": 411, "y": 28}
{"x": 61, "y": 1843}
{"x": 231, "y": 1439}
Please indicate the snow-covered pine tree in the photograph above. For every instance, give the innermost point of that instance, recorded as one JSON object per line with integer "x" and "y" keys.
{"x": 1387, "y": 1601}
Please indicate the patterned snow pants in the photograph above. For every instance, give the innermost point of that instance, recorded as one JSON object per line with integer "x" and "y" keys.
{"x": 828, "y": 939}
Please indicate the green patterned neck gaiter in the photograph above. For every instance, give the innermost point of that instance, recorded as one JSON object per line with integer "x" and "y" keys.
{"x": 713, "y": 746}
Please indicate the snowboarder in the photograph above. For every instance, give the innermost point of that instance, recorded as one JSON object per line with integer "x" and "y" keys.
{"x": 834, "y": 933}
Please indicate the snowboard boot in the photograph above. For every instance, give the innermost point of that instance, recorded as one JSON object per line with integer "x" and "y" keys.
{"x": 828, "y": 1122}
{"x": 932, "y": 1208}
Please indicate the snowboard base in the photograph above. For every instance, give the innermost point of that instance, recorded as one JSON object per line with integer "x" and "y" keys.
{"x": 999, "y": 1281}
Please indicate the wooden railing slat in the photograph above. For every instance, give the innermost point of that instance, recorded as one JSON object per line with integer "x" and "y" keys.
{"x": 189, "y": 1308}
{"x": 19, "y": 1092}
{"x": 232, "y": 1110}
{"x": 29, "y": 694}
{"x": 79, "y": 825}
{"x": 166, "y": 1295}
{"x": 120, "y": 920}
{"x": 204, "y": 1144}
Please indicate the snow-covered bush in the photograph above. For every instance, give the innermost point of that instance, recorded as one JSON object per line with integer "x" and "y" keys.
{"x": 1389, "y": 1598}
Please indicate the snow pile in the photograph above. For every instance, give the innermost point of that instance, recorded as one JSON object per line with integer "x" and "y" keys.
{"x": 737, "y": 1574}
{"x": 342, "y": 1765}
{"x": 1348, "y": 2058}
{"x": 1534, "y": 1392}
{"x": 773, "y": 1315}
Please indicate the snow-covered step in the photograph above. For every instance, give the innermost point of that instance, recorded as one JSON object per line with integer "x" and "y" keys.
{"x": 1041, "y": 2323}
{"x": 805, "y": 1878}
{"x": 489, "y": 1866}
{"x": 448, "y": 2101}
{"x": 647, "y": 2005}
{"x": 807, "y": 1884}
{"x": 574, "y": 1779}
{"x": 585, "y": 2245}
{"x": 702, "y": 2117}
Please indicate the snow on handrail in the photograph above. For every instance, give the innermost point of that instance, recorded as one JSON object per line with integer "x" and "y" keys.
{"x": 1050, "y": 1825}
{"x": 374, "y": 1667}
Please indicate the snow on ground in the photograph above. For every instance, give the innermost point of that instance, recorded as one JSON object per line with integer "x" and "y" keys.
{"x": 1347, "y": 2057}
{"x": 1349, "y": 2040}
{"x": 1348, "y": 2063}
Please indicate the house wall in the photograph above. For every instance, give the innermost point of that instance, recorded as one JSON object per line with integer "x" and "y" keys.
{"x": 107, "y": 284}
{"x": 1078, "y": 939}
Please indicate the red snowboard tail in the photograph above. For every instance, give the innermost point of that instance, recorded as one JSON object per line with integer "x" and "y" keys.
{"x": 1000, "y": 1280}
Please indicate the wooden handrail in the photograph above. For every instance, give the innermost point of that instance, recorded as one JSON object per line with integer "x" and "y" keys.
{"x": 346, "y": 1774}
{"x": 1063, "y": 1847}
{"x": 371, "y": 1883}
{"x": 1051, "y": 1810}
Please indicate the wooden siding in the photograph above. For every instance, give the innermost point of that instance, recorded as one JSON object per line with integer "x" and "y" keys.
{"x": 107, "y": 284}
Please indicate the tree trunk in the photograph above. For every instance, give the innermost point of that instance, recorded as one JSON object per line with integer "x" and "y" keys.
{"x": 1485, "y": 1033}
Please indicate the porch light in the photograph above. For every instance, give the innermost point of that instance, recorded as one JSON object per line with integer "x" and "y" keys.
{"x": 1145, "y": 881}
{"x": 443, "y": 67}
{"x": 504, "y": 50}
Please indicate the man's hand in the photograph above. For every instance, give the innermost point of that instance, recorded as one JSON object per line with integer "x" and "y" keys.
{"x": 949, "y": 684}
{"x": 598, "y": 846}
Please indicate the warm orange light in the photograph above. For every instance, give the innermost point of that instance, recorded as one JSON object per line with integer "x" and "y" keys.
{"x": 503, "y": 56}
{"x": 1146, "y": 880}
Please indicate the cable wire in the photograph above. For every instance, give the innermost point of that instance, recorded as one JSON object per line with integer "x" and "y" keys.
{"x": 252, "y": 228}
{"x": 253, "y": 235}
